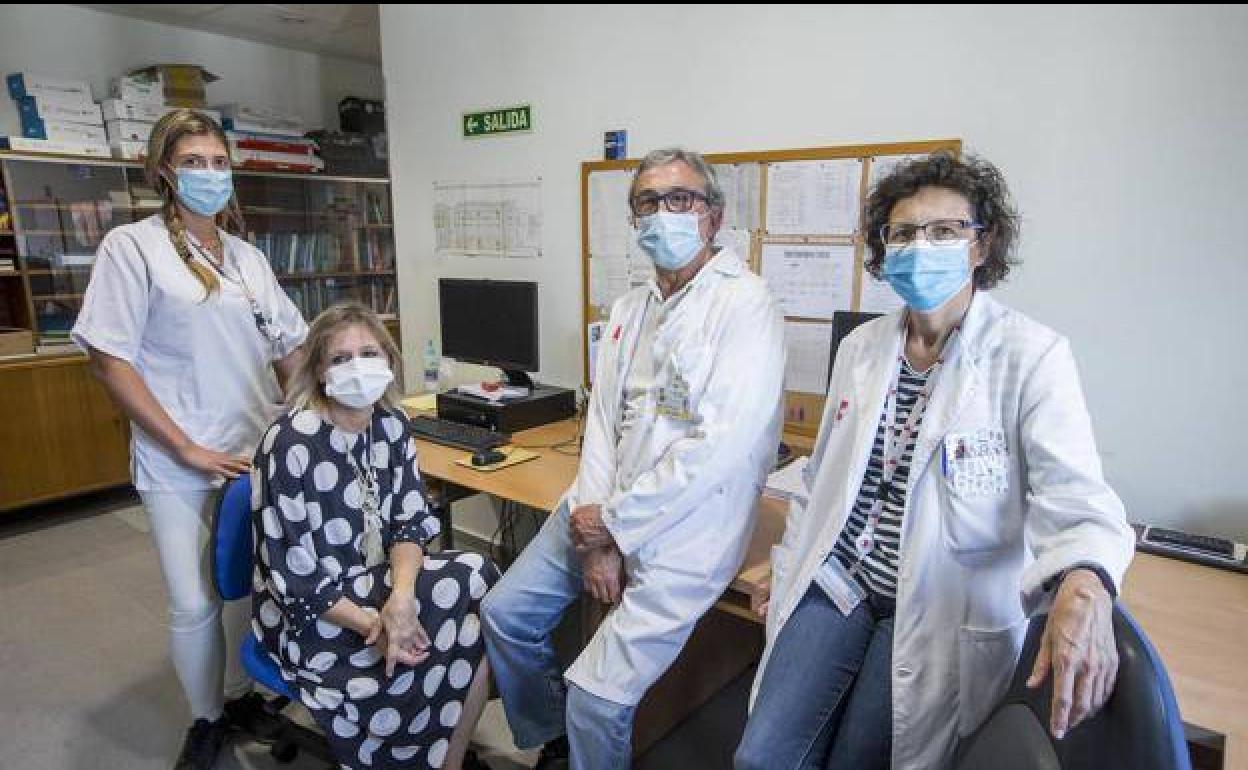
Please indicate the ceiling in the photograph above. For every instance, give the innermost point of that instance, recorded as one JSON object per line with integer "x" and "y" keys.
{"x": 350, "y": 30}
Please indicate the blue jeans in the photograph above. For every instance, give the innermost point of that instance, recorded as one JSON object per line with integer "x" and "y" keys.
{"x": 825, "y": 699}
{"x": 518, "y": 617}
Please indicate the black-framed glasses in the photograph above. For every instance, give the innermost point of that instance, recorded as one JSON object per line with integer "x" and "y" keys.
{"x": 677, "y": 201}
{"x": 936, "y": 231}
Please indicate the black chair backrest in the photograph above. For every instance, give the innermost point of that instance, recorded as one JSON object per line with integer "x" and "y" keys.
{"x": 1138, "y": 729}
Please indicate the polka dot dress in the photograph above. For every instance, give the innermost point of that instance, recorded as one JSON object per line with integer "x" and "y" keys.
{"x": 309, "y": 529}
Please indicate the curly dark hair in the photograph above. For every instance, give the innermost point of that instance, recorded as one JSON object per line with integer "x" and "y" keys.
{"x": 975, "y": 179}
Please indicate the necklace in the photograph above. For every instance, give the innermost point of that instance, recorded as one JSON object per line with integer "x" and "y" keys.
{"x": 264, "y": 322}
{"x": 370, "y": 499}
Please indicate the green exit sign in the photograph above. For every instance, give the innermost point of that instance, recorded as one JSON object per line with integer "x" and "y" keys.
{"x": 504, "y": 120}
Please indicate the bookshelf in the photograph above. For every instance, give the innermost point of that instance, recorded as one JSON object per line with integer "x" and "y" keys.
{"x": 328, "y": 238}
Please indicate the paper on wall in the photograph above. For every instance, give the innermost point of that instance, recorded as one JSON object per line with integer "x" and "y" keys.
{"x": 488, "y": 219}
{"x": 809, "y": 280}
{"x": 818, "y": 197}
{"x": 741, "y": 183}
{"x": 808, "y": 347}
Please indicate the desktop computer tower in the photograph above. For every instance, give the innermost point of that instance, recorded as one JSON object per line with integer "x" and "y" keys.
{"x": 544, "y": 404}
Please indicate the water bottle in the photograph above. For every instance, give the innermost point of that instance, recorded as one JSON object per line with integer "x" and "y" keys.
{"x": 432, "y": 365}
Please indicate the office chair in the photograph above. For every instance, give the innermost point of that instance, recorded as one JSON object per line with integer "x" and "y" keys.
{"x": 1138, "y": 728}
{"x": 232, "y": 555}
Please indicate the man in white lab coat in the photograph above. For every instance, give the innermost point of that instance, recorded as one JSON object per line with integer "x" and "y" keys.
{"x": 681, "y": 431}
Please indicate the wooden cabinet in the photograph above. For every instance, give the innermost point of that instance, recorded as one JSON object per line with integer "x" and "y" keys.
{"x": 60, "y": 435}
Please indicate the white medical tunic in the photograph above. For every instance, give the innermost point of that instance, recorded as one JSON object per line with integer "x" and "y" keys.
{"x": 203, "y": 357}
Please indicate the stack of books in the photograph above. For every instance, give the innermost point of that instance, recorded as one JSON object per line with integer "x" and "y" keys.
{"x": 268, "y": 140}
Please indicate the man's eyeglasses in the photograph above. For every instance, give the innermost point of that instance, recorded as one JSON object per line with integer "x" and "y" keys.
{"x": 936, "y": 231}
{"x": 677, "y": 201}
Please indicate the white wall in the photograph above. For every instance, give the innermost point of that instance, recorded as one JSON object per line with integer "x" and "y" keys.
{"x": 1119, "y": 129}
{"x": 74, "y": 42}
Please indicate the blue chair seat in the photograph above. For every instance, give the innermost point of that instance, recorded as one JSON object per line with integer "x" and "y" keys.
{"x": 232, "y": 555}
{"x": 263, "y": 668}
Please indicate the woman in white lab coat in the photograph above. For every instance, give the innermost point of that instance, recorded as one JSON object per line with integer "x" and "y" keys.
{"x": 185, "y": 325}
{"x": 955, "y": 489}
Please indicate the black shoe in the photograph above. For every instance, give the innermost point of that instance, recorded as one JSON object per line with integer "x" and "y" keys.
{"x": 247, "y": 713}
{"x": 554, "y": 755}
{"x": 202, "y": 745}
{"x": 473, "y": 762}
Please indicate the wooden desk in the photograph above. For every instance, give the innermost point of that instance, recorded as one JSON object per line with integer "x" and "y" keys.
{"x": 536, "y": 483}
{"x": 1197, "y": 618}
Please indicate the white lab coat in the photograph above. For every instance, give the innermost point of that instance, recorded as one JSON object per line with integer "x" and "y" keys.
{"x": 971, "y": 570}
{"x": 684, "y": 524}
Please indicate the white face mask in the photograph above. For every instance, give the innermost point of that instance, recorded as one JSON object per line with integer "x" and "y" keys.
{"x": 358, "y": 383}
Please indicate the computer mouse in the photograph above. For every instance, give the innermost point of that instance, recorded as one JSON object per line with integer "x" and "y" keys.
{"x": 487, "y": 457}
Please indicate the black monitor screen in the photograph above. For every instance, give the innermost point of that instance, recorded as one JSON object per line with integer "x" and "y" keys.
{"x": 844, "y": 322}
{"x": 493, "y": 323}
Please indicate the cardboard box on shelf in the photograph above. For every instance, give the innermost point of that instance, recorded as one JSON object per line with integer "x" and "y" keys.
{"x": 36, "y": 108}
{"x": 145, "y": 112}
{"x": 182, "y": 84}
{"x": 125, "y": 149}
{"x": 60, "y": 131}
{"x": 138, "y": 89}
{"x": 119, "y": 109}
{"x": 48, "y": 88}
{"x": 277, "y": 161}
{"x": 129, "y": 130}
{"x": 22, "y": 144}
{"x": 15, "y": 342}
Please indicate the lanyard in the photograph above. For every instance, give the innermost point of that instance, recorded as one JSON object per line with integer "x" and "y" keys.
{"x": 264, "y": 323}
{"x": 370, "y": 491}
{"x": 896, "y": 439}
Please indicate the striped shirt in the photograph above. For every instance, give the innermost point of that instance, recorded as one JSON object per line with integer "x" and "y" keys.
{"x": 878, "y": 571}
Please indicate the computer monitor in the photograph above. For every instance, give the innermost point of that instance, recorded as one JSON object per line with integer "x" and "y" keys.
{"x": 492, "y": 323}
{"x": 844, "y": 322}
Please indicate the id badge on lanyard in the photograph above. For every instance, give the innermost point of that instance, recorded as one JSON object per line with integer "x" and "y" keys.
{"x": 264, "y": 322}
{"x": 896, "y": 439}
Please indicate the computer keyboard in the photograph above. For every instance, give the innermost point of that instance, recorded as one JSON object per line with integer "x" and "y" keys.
{"x": 457, "y": 434}
{"x": 1216, "y": 546}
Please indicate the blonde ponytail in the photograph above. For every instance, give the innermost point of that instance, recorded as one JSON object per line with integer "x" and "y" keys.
{"x": 177, "y": 234}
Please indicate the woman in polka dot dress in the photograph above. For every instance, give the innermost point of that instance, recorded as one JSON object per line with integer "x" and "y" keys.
{"x": 381, "y": 641}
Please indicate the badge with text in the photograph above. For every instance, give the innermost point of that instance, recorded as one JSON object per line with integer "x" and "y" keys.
{"x": 977, "y": 464}
{"x": 674, "y": 399}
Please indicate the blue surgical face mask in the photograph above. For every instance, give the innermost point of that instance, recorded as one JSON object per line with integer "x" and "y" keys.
{"x": 671, "y": 240}
{"x": 927, "y": 275}
{"x": 203, "y": 190}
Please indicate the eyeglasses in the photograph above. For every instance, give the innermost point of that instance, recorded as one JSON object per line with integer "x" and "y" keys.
{"x": 677, "y": 201}
{"x": 936, "y": 231}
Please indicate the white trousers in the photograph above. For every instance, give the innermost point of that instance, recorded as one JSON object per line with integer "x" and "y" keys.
{"x": 204, "y": 635}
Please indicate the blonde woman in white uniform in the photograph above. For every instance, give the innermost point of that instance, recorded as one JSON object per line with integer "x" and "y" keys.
{"x": 186, "y": 326}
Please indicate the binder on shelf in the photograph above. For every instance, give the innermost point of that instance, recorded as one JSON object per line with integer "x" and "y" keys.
{"x": 61, "y": 131}
{"x": 48, "y": 88}
{"x": 36, "y": 108}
